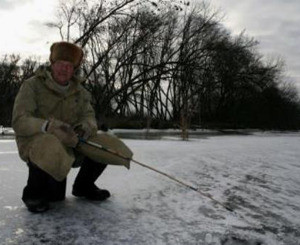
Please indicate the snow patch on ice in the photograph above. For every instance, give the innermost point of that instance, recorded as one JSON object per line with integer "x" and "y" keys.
{"x": 9, "y": 152}
{"x": 19, "y": 231}
{"x": 11, "y": 207}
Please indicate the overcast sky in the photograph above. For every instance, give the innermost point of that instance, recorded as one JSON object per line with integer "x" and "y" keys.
{"x": 274, "y": 23}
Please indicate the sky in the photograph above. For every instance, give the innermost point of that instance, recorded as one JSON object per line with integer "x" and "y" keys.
{"x": 23, "y": 29}
{"x": 274, "y": 23}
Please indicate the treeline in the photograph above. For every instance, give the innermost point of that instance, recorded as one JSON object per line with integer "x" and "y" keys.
{"x": 166, "y": 64}
{"x": 13, "y": 72}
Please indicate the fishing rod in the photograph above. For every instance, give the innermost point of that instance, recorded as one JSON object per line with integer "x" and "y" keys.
{"x": 101, "y": 147}
{"x": 111, "y": 151}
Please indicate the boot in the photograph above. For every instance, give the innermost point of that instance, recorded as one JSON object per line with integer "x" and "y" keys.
{"x": 84, "y": 183}
{"x": 34, "y": 192}
{"x": 35, "y": 204}
{"x": 91, "y": 192}
{"x": 56, "y": 190}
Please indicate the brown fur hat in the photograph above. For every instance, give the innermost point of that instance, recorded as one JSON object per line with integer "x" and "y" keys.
{"x": 66, "y": 51}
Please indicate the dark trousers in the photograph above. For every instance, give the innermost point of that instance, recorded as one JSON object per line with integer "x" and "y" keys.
{"x": 41, "y": 185}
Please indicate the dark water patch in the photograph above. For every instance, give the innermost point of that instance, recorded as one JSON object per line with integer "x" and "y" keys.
{"x": 290, "y": 229}
{"x": 238, "y": 188}
{"x": 273, "y": 215}
{"x": 295, "y": 165}
{"x": 294, "y": 207}
{"x": 270, "y": 228}
{"x": 235, "y": 240}
{"x": 293, "y": 193}
{"x": 255, "y": 229}
{"x": 159, "y": 135}
{"x": 228, "y": 192}
{"x": 251, "y": 178}
{"x": 235, "y": 201}
{"x": 255, "y": 216}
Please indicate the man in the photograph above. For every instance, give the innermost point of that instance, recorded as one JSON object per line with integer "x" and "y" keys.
{"x": 52, "y": 109}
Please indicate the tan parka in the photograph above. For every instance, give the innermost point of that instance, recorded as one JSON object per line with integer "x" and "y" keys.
{"x": 40, "y": 99}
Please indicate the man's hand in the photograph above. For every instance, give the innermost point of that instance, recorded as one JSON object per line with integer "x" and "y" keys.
{"x": 83, "y": 131}
{"x": 63, "y": 132}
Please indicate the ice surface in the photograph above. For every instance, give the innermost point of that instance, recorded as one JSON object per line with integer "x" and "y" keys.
{"x": 257, "y": 175}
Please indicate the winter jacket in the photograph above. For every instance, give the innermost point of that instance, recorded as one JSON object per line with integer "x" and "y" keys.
{"x": 40, "y": 99}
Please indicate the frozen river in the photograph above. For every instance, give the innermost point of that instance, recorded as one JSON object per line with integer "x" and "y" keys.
{"x": 258, "y": 175}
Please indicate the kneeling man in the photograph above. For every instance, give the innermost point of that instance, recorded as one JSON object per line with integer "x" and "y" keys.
{"x": 52, "y": 109}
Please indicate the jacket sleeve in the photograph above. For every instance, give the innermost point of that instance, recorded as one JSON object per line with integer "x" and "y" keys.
{"x": 24, "y": 121}
{"x": 87, "y": 116}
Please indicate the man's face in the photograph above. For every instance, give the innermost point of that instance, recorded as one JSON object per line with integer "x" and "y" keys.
{"x": 62, "y": 71}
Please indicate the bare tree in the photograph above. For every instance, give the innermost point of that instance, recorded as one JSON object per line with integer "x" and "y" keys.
{"x": 164, "y": 61}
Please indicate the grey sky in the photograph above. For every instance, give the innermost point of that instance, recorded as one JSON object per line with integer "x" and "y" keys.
{"x": 22, "y": 27}
{"x": 274, "y": 23}
{"x": 11, "y": 4}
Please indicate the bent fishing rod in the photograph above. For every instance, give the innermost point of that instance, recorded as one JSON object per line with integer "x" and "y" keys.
{"x": 111, "y": 151}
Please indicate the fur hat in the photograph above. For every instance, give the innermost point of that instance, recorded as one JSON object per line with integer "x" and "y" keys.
{"x": 66, "y": 51}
